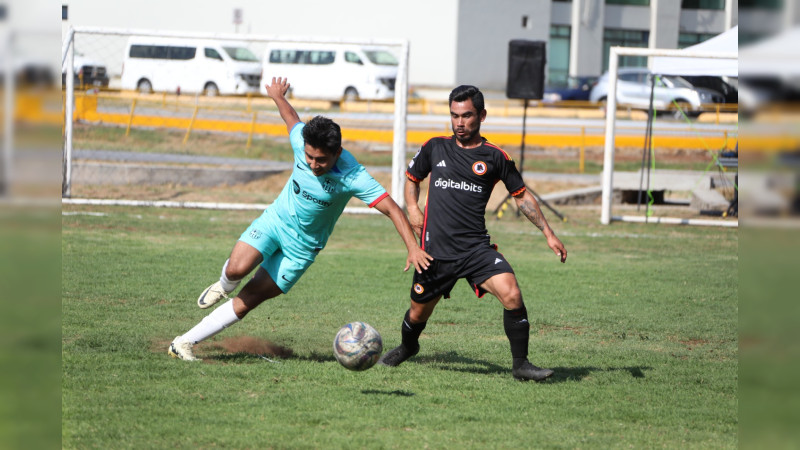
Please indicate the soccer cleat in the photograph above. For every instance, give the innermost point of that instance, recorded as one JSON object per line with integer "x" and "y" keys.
{"x": 211, "y": 296}
{"x": 181, "y": 349}
{"x": 396, "y": 356}
{"x": 527, "y": 371}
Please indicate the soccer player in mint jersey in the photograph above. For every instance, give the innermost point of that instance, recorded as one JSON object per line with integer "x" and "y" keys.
{"x": 463, "y": 170}
{"x": 282, "y": 243}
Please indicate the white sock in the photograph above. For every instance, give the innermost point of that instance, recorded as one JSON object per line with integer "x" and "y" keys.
{"x": 218, "y": 320}
{"x": 227, "y": 284}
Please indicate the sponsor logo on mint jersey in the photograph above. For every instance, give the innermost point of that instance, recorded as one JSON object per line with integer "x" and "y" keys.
{"x": 460, "y": 185}
{"x": 255, "y": 234}
{"x": 313, "y": 199}
{"x": 306, "y": 195}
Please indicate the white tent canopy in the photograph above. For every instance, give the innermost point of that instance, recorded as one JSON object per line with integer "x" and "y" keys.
{"x": 778, "y": 56}
{"x": 727, "y": 42}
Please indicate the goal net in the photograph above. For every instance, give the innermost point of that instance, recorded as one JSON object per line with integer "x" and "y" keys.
{"x": 720, "y": 169}
{"x": 147, "y": 109}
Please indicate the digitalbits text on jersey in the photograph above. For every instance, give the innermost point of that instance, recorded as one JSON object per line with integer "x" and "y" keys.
{"x": 461, "y": 185}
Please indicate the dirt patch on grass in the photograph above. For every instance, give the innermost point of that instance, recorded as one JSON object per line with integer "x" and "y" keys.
{"x": 250, "y": 345}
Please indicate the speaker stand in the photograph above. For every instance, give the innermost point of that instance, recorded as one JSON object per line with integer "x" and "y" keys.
{"x": 504, "y": 204}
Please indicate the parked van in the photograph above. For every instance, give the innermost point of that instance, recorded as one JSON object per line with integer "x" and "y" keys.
{"x": 190, "y": 66}
{"x": 332, "y": 71}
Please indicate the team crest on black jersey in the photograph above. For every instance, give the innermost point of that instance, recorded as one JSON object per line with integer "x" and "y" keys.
{"x": 479, "y": 168}
{"x": 329, "y": 185}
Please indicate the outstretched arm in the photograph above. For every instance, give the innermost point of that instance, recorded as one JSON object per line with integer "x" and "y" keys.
{"x": 415, "y": 216}
{"x": 416, "y": 256}
{"x": 277, "y": 92}
{"x": 530, "y": 207}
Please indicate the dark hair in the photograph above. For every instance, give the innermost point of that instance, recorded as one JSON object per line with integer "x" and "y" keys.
{"x": 464, "y": 92}
{"x": 323, "y": 134}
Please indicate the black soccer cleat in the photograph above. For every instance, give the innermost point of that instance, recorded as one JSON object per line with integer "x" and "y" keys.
{"x": 396, "y": 356}
{"x": 527, "y": 371}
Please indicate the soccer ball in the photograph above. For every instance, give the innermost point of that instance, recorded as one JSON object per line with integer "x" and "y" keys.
{"x": 357, "y": 346}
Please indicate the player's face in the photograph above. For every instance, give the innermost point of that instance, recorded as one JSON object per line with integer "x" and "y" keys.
{"x": 319, "y": 161}
{"x": 466, "y": 122}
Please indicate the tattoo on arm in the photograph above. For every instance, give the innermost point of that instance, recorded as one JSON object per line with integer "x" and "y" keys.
{"x": 532, "y": 213}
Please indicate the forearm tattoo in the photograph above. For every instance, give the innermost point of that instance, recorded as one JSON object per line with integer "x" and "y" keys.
{"x": 532, "y": 213}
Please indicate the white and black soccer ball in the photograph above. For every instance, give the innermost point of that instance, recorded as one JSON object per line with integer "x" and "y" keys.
{"x": 357, "y": 346}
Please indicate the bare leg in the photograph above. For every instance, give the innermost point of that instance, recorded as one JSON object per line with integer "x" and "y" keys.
{"x": 259, "y": 289}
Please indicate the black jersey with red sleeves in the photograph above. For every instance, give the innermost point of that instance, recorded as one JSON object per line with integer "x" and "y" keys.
{"x": 461, "y": 182}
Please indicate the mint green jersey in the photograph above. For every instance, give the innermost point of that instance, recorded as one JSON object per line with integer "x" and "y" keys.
{"x": 311, "y": 205}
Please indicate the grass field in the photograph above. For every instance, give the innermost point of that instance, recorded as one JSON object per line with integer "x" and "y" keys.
{"x": 640, "y": 326}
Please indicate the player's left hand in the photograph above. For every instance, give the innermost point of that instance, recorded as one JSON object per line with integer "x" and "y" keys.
{"x": 419, "y": 258}
{"x": 278, "y": 88}
{"x": 558, "y": 248}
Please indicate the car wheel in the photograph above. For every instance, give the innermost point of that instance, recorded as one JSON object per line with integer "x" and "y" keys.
{"x": 683, "y": 107}
{"x": 144, "y": 86}
{"x": 350, "y": 95}
{"x": 211, "y": 90}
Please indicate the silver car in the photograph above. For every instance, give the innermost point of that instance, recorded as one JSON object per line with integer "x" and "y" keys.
{"x": 633, "y": 89}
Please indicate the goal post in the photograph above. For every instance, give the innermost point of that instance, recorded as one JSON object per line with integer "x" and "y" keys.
{"x": 610, "y": 127}
{"x": 114, "y": 51}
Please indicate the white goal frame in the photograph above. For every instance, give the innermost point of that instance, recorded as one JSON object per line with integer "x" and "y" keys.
{"x": 611, "y": 119}
{"x": 400, "y": 122}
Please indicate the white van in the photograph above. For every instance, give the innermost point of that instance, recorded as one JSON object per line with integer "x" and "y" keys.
{"x": 332, "y": 71}
{"x": 190, "y": 66}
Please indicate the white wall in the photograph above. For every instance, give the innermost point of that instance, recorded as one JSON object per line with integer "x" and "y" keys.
{"x": 484, "y": 34}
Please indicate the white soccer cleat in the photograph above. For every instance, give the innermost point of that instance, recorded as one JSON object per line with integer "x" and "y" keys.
{"x": 211, "y": 296}
{"x": 182, "y": 349}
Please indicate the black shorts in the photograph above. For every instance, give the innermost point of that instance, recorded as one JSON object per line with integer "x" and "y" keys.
{"x": 442, "y": 275}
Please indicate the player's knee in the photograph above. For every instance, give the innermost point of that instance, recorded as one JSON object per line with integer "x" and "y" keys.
{"x": 511, "y": 298}
{"x": 237, "y": 269}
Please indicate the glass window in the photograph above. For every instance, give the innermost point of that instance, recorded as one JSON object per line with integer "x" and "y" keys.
{"x": 286, "y": 56}
{"x": 213, "y": 54}
{"x": 240, "y": 54}
{"x": 381, "y": 57}
{"x": 628, "y": 2}
{"x": 320, "y": 57}
{"x": 64, "y": 12}
{"x": 182, "y": 53}
{"x": 148, "y": 51}
{"x": 703, "y": 4}
{"x": 625, "y": 38}
{"x": 558, "y": 55}
{"x": 689, "y": 39}
{"x": 352, "y": 58}
{"x": 761, "y": 4}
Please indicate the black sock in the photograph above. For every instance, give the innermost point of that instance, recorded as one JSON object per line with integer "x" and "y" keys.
{"x": 515, "y": 323}
{"x": 410, "y": 332}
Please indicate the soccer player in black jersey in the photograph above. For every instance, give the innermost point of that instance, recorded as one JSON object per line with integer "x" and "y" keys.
{"x": 463, "y": 169}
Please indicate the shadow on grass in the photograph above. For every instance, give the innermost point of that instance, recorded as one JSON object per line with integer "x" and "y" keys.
{"x": 579, "y": 373}
{"x": 455, "y": 362}
{"x": 397, "y": 393}
{"x": 247, "y": 357}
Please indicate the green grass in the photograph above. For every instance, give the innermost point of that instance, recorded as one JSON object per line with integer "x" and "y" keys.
{"x": 640, "y": 326}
